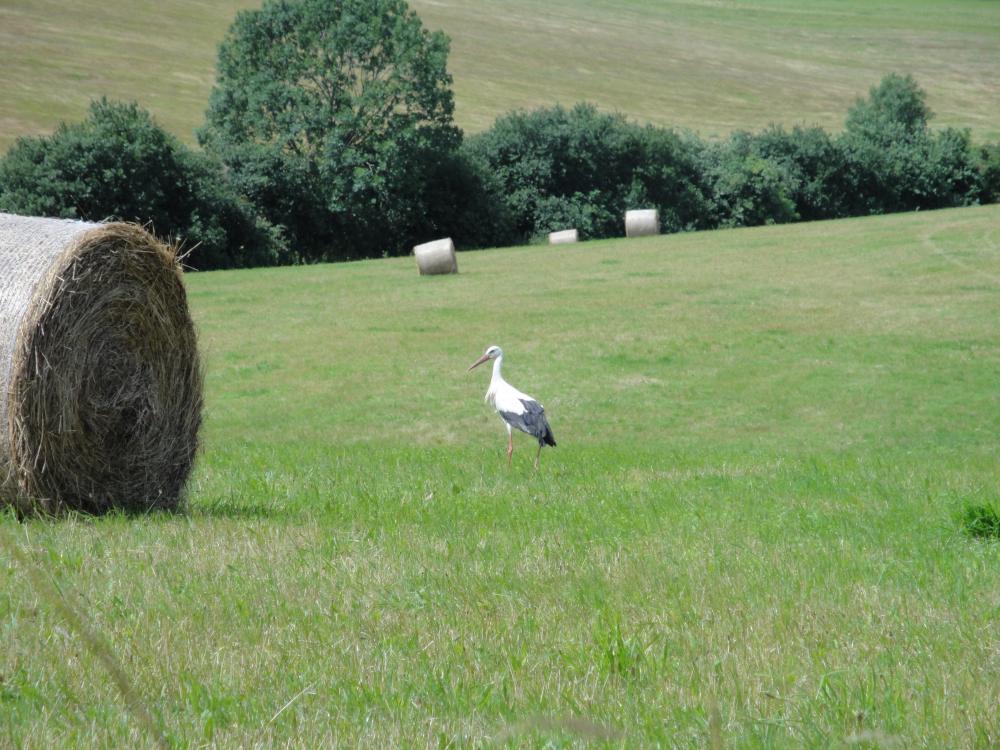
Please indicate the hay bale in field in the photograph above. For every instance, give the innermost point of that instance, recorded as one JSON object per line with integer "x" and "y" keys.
{"x": 564, "y": 237}
{"x": 642, "y": 222}
{"x": 436, "y": 257}
{"x": 100, "y": 382}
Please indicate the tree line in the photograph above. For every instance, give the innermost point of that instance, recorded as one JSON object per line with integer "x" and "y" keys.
{"x": 329, "y": 135}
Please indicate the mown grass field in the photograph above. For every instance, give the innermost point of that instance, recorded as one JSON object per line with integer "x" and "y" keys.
{"x": 748, "y": 536}
{"x": 709, "y": 66}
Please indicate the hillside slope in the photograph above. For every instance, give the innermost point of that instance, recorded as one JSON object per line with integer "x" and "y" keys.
{"x": 708, "y": 66}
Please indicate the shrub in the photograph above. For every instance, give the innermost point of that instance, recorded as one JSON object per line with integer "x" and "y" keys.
{"x": 988, "y": 166}
{"x": 461, "y": 203}
{"x": 746, "y": 188}
{"x": 586, "y": 212}
{"x": 555, "y": 168}
{"x": 897, "y": 163}
{"x": 666, "y": 176}
{"x": 119, "y": 164}
{"x": 815, "y": 168}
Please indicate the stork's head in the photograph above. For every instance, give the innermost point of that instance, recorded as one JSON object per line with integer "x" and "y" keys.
{"x": 491, "y": 353}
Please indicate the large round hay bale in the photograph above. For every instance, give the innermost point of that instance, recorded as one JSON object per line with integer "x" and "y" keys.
{"x": 564, "y": 237}
{"x": 436, "y": 257}
{"x": 642, "y": 222}
{"x": 100, "y": 382}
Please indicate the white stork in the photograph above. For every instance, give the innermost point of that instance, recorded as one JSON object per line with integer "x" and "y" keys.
{"x": 516, "y": 409}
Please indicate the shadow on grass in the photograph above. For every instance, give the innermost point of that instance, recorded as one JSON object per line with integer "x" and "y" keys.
{"x": 249, "y": 511}
{"x": 75, "y": 515}
{"x": 199, "y": 509}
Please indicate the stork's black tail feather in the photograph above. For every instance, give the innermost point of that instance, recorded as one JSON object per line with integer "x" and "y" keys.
{"x": 548, "y": 438}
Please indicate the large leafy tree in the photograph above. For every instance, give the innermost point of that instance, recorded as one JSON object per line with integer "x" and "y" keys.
{"x": 330, "y": 115}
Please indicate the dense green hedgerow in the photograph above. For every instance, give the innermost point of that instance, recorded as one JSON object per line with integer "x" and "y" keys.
{"x": 556, "y": 168}
{"x": 306, "y": 179}
{"x": 119, "y": 164}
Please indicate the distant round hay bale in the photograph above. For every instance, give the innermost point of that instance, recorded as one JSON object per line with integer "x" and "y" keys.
{"x": 642, "y": 222}
{"x": 436, "y": 257}
{"x": 564, "y": 237}
{"x": 100, "y": 382}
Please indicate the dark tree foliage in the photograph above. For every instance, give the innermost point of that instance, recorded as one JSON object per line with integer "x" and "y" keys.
{"x": 988, "y": 165}
{"x": 460, "y": 196}
{"x": 119, "y": 164}
{"x": 896, "y": 162}
{"x": 556, "y": 168}
{"x": 331, "y": 117}
{"x": 895, "y": 110}
{"x": 747, "y": 189}
{"x": 813, "y": 166}
{"x": 886, "y": 160}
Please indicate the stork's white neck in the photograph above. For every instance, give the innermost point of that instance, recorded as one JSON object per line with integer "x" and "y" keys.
{"x": 495, "y": 381}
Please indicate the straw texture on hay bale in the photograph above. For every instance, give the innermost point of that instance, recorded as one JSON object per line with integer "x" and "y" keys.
{"x": 436, "y": 257}
{"x": 100, "y": 382}
{"x": 563, "y": 237}
{"x": 642, "y": 222}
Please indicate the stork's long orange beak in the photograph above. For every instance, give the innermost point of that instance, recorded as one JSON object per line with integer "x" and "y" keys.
{"x": 478, "y": 362}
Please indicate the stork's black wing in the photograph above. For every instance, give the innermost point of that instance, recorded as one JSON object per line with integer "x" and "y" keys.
{"x": 532, "y": 421}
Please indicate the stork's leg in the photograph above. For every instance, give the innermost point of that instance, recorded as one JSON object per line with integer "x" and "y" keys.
{"x": 538, "y": 456}
{"x": 510, "y": 444}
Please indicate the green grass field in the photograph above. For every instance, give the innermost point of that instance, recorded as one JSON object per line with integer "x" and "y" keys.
{"x": 705, "y": 65}
{"x": 748, "y": 536}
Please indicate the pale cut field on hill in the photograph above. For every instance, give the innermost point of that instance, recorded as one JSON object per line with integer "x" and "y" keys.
{"x": 749, "y": 530}
{"x": 705, "y": 65}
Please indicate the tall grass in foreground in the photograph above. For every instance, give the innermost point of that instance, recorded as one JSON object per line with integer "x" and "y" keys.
{"x": 750, "y": 534}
